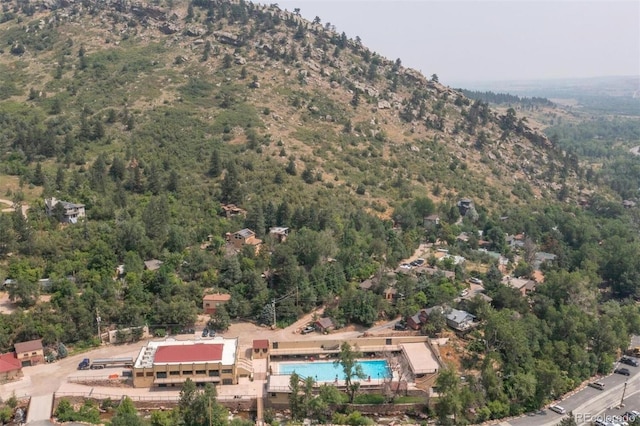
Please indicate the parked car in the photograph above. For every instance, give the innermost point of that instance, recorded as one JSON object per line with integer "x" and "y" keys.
{"x": 475, "y": 280}
{"x": 557, "y": 409}
{"x": 623, "y": 371}
{"x": 405, "y": 266}
{"x": 400, "y": 326}
{"x": 419, "y": 262}
{"x": 597, "y": 385}
{"x": 629, "y": 361}
{"x": 205, "y": 332}
{"x": 308, "y": 329}
{"x": 464, "y": 293}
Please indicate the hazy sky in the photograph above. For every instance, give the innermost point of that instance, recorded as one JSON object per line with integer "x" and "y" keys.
{"x": 481, "y": 40}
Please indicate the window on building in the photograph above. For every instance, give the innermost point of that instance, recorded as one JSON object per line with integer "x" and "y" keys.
{"x": 161, "y": 375}
{"x": 388, "y": 342}
{"x": 34, "y": 353}
{"x": 201, "y": 371}
{"x": 227, "y": 371}
{"x": 214, "y": 373}
{"x": 174, "y": 373}
{"x": 273, "y": 395}
{"x": 187, "y": 372}
{"x": 227, "y": 381}
{"x": 149, "y": 373}
{"x": 274, "y": 345}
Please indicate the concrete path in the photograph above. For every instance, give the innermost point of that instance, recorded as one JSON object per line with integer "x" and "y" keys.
{"x": 40, "y": 408}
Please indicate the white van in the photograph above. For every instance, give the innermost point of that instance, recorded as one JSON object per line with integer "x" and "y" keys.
{"x": 557, "y": 409}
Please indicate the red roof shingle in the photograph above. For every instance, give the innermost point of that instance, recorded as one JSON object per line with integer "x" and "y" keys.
{"x": 9, "y": 362}
{"x": 189, "y": 353}
{"x": 261, "y": 344}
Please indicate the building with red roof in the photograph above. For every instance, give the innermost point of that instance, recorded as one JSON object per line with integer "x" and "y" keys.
{"x": 171, "y": 363}
{"x": 10, "y": 366}
{"x": 260, "y": 348}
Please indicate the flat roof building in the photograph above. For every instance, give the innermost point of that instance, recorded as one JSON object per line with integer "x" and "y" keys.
{"x": 171, "y": 363}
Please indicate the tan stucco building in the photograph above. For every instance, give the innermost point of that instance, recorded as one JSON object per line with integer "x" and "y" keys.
{"x": 171, "y": 363}
{"x": 30, "y": 353}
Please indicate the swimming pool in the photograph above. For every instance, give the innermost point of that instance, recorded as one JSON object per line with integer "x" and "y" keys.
{"x": 323, "y": 371}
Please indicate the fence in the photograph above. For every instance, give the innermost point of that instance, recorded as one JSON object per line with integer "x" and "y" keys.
{"x": 150, "y": 398}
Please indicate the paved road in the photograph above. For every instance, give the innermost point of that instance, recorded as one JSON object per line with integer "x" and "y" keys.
{"x": 589, "y": 402}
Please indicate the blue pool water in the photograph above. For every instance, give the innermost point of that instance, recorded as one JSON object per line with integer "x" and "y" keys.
{"x": 327, "y": 371}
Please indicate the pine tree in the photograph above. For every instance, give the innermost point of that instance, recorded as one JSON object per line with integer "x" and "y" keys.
{"x": 215, "y": 164}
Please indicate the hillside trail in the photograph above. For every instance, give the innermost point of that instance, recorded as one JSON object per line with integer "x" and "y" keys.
{"x": 24, "y": 207}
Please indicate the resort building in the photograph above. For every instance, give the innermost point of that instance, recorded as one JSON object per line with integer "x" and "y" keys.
{"x": 171, "y": 363}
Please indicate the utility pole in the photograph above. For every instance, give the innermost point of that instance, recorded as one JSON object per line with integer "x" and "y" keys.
{"x": 623, "y": 392}
{"x": 273, "y": 304}
{"x": 98, "y": 322}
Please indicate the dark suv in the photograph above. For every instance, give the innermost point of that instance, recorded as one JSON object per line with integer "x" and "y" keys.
{"x": 623, "y": 371}
{"x": 629, "y": 361}
{"x": 401, "y": 326}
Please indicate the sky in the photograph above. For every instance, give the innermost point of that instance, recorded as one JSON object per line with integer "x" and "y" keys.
{"x": 466, "y": 41}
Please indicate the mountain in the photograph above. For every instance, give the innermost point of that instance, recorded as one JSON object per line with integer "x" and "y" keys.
{"x": 172, "y": 83}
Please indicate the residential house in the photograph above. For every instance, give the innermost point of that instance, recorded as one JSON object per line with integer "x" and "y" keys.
{"x": 459, "y": 320}
{"x": 464, "y": 205}
{"x": 210, "y": 302}
{"x": 152, "y": 264}
{"x": 324, "y": 325}
{"x": 426, "y": 270}
{"x": 390, "y": 294}
{"x": 541, "y": 257}
{"x": 10, "y": 367}
{"x": 628, "y": 204}
{"x": 523, "y": 285}
{"x": 416, "y": 321}
{"x": 243, "y": 237}
{"x": 431, "y": 221}
{"x": 70, "y": 212}
{"x": 30, "y": 353}
{"x": 231, "y": 210}
{"x": 515, "y": 241}
{"x": 366, "y": 284}
{"x": 280, "y": 233}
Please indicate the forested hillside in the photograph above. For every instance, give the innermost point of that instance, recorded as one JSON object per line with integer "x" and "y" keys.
{"x": 155, "y": 116}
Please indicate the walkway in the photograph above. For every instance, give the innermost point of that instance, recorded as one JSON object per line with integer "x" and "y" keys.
{"x": 40, "y": 408}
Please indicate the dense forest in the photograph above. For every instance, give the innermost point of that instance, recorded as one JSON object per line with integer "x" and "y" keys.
{"x": 506, "y": 98}
{"x": 274, "y": 114}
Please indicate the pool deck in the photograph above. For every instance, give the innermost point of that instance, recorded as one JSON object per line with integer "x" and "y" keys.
{"x": 280, "y": 383}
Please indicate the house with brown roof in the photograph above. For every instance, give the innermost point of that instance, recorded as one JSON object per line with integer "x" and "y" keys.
{"x": 324, "y": 325}
{"x": 523, "y": 285}
{"x": 210, "y": 302}
{"x": 10, "y": 367}
{"x": 260, "y": 349}
{"x": 29, "y": 353}
{"x": 231, "y": 210}
{"x": 243, "y": 237}
{"x": 431, "y": 221}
